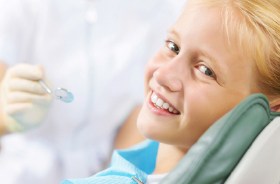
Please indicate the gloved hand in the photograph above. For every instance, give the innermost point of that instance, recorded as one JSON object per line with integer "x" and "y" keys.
{"x": 23, "y": 100}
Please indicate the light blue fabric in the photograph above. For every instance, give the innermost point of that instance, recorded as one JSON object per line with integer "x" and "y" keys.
{"x": 139, "y": 161}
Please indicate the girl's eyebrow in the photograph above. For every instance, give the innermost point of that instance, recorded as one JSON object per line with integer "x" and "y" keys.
{"x": 172, "y": 32}
{"x": 206, "y": 54}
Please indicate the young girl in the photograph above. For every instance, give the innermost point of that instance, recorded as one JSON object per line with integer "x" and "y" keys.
{"x": 216, "y": 54}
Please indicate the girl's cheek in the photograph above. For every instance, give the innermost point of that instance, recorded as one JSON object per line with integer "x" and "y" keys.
{"x": 148, "y": 75}
{"x": 154, "y": 63}
{"x": 149, "y": 71}
{"x": 151, "y": 66}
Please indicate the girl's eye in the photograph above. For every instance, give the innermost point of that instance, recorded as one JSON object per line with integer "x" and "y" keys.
{"x": 206, "y": 71}
{"x": 172, "y": 46}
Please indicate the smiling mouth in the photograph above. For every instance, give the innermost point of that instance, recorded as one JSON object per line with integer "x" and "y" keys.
{"x": 161, "y": 104}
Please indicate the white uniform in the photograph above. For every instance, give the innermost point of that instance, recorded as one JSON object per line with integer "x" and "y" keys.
{"x": 96, "y": 49}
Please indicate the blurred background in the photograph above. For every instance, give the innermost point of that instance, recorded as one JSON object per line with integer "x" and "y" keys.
{"x": 95, "y": 48}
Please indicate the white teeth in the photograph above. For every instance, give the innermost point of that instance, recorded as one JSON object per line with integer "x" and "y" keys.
{"x": 159, "y": 102}
{"x": 154, "y": 98}
{"x": 170, "y": 109}
{"x": 162, "y": 104}
{"x": 165, "y": 105}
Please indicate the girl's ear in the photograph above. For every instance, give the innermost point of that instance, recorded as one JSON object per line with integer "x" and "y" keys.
{"x": 275, "y": 105}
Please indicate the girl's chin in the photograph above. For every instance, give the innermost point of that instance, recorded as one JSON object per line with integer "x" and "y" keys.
{"x": 145, "y": 129}
{"x": 151, "y": 127}
{"x": 149, "y": 131}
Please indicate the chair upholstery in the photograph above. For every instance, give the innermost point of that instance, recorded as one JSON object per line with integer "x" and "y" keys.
{"x": 214, "y": 156}
{"x": 261, "y": 163}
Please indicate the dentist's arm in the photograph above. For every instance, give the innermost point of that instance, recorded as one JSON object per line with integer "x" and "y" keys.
{"x": 23, "y": 101}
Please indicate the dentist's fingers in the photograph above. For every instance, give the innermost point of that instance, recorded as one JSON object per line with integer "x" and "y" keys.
{"x": 23, "y": 100}
{"x": 26, "y": 71}
{"x": 25, "y": 114}
{"x": 24, "y": 85}
{"x": 13, "y": 109}
{"x": 23, "y": 97}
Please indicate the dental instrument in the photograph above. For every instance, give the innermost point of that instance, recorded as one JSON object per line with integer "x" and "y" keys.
{"x": 59, "y": 93}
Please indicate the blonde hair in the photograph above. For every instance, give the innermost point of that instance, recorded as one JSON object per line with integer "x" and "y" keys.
{"x": 255, "y": 26}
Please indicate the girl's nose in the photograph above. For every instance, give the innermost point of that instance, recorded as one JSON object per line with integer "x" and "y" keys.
{"x": 168, "y": 76}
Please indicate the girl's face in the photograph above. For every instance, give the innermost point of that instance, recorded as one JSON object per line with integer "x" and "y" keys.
{"x": 194, "y": 79}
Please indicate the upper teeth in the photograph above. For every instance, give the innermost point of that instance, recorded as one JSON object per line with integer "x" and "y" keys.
{"x": 162, "y": 104}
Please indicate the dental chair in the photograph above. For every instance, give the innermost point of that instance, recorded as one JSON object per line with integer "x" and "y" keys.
{"x": 243, "y": 147}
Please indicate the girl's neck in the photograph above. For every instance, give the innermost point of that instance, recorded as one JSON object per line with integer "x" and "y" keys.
{"x": 168, "y": 157}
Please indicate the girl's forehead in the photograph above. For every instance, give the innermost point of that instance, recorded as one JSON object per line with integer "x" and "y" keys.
{"x": 199, "y": 22}
{"x": 220, "y": 18}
